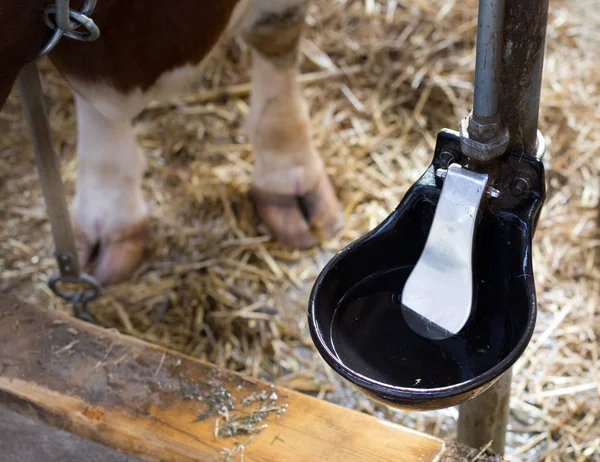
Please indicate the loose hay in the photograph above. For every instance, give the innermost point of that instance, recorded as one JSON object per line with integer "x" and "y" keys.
{"x": 381, "y": 79}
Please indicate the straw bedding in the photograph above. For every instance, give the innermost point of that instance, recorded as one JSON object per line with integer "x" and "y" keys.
{"x": 381, "y": 78}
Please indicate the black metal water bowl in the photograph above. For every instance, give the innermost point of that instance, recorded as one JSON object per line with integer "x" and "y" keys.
{"x": 356, "y": 320}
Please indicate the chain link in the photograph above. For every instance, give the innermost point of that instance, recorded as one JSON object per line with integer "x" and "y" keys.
{"x": 80, "y": 311}
{"x": 84, "y": 290}
{"x": 65, "y": 22}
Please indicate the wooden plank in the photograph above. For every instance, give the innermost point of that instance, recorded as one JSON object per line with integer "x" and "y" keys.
{"x": 158, "y": 405}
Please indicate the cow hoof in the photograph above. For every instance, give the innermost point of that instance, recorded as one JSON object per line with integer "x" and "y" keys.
{"x": 300, "y": 222}
{"x": 117, "y": 254}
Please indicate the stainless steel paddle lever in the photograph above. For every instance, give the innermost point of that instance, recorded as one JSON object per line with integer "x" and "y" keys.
{"x": 438, "y": 296}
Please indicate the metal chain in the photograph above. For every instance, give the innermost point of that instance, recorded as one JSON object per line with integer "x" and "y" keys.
{"x": 65, "y": 22}
{"x": 70, "y": 284}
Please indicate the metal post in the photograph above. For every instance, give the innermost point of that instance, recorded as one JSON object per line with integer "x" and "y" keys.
{"x": 485, "y": 417}
{"x": 523, "y": 61}
{"x": 488, "y": 60}
{"x": 483, "y": 137}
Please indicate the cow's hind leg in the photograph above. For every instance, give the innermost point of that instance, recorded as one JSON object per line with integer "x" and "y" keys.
{"x": 109, "y": 211}
{"x": 290, "y": 188}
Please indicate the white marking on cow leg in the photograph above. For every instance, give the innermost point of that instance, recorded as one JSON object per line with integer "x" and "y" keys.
{"x": 110, "y": 168}
{"x": 109, "y": 207}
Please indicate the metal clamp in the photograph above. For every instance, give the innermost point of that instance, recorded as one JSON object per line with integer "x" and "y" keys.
{"x": 66, "y": 22}
{"x": 483, "y": 142}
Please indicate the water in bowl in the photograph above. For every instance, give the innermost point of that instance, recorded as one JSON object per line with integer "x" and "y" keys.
{"x": 370, "y": 336}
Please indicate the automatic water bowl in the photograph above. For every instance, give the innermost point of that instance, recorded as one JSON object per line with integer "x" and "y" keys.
{"x": 473, "y": 257}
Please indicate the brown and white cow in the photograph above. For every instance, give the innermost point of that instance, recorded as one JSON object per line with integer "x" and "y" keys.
{"x": 147, "y": 50}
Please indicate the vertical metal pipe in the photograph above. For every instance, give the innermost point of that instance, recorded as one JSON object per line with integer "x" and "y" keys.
{"x": 488, "y": 59}
{"x": 522, "y": 65}
{"x": 524, "y": 37}
{"x": 484, "y": 418}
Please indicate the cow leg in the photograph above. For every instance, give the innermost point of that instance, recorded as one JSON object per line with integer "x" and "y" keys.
{"x": 108, "y": 210}
{"x": 290, "y": 188}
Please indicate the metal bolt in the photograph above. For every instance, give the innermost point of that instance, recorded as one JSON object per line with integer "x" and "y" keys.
{"x": 490, "y": 191}
{"x": 520, "y": 186}
{"x": 493, "y": 192}
{"x": 446, "y": 158}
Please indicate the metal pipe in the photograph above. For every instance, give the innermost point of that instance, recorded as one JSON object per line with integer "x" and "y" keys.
{"x": 525, "y": 21}
{"x": 483, "y": 137}
{"x": 523, "y": 61}
{"x": 488, "y": 59}
{"x": 483, "y": 419}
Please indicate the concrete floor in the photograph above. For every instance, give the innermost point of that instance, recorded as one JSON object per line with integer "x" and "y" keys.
{"x": 27, "y": 440}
